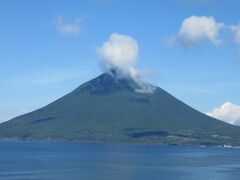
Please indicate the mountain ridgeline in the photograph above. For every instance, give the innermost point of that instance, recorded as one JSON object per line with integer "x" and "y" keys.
{"x": 112, "y": 109}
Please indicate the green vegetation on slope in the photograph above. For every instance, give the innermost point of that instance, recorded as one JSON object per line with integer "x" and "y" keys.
{"x": 108, "y": 109}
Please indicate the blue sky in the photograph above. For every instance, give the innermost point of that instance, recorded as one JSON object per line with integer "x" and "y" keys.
{"x": 49, "y": 47}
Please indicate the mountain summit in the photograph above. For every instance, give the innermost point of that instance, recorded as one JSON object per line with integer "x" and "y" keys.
{"x": 110, "y": 108}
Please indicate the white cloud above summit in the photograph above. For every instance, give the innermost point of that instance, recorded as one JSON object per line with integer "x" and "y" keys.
{"x": 228, "y": 112}
{"x": 120, "y": 52}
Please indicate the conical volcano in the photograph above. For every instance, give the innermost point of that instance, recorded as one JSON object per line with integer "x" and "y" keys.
{"x": 110, "y": 108}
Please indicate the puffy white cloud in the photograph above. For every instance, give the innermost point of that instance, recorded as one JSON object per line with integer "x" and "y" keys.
{"x": 228, "y": 112}
{"x": 120, "y": 52}
{"x": 73, "y": 28}
{"x": 195, "y": 29}
{"x": 236, "y": 31}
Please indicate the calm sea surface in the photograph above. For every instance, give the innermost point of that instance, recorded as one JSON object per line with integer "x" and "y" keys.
{"x": 76, "y": 161}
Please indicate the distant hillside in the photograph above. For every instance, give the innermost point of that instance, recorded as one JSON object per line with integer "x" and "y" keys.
{"x": 109, "y": 109}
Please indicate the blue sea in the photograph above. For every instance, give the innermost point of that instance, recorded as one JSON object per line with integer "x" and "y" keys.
{"x": 34, "y": 160}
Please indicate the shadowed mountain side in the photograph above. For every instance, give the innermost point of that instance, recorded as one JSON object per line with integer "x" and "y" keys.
{"x": 109, "y": 109}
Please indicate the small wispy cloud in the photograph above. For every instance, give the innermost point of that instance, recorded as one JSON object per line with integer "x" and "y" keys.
{"x": 68, "y": 28}
{"x": 236, "y": 30}
{"x": 47, "y": 77}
